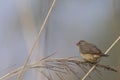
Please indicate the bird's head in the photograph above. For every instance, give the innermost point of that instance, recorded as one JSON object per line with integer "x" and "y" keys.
{"x": 81, "y": 42}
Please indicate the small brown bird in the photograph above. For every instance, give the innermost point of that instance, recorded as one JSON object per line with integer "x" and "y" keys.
{"x": 90, "y": 52}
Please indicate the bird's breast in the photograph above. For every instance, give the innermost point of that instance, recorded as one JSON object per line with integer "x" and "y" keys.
{"x": 90, "y": 57}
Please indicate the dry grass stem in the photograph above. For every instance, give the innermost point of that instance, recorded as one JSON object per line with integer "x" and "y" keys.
{"x": 107, "y": 67}
{"x": 105, "y": 53}
{"x": 14, "y": 72}
{"x": 35, "y": 41}
{"x": 48, "y": 77}
{"x": 60, "y": 76}
{"x": 60, "y": 66}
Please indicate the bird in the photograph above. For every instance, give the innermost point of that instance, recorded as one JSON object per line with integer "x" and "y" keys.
{"x": 89, "y": 52}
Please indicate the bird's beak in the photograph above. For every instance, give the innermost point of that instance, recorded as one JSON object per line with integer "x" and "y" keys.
{"x": 77, "y": 44}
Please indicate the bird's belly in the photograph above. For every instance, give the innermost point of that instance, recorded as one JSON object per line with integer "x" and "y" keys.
{"x": 90, "y": 57}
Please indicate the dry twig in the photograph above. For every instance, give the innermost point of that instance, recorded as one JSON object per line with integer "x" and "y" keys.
{"x": 35, "y": 41}
{"x": 105, "y": 53}
{"x": 62, "y": 66}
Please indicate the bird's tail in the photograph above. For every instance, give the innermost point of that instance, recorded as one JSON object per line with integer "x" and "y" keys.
{"x": 104, "y": 55}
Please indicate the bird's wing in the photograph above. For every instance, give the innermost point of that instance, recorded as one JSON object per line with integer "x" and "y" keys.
{"x": 90, "y": 48}
{"x": 93, "y": 49}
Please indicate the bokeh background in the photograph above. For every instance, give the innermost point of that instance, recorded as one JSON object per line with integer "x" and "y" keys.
{"x": 96, "y": 21}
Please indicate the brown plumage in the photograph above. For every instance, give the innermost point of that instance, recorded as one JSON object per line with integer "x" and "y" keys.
{"x": 89, "y": 51}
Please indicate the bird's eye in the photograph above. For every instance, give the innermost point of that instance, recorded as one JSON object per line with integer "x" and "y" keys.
{"x": 77, "y": 43}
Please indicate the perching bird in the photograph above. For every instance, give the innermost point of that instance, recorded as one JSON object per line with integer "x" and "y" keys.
{"x": 90, "y": 52}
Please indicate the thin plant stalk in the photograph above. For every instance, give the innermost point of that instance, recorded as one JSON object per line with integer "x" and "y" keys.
{"x": 105, "y": 53}
{"x": 35, "y": 42}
